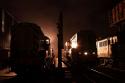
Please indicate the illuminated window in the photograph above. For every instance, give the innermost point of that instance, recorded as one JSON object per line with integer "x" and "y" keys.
{"x": 47, "y": 41}
{"x": 115, "y": 39}
{"x": 100, "y": 44}
{"x": 110, "y": 40}
{"x": 74, "y": 41}
{"x": 74, "y": 44}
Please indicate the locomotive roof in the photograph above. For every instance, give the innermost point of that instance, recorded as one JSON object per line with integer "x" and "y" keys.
{"x": 26, "y": 25}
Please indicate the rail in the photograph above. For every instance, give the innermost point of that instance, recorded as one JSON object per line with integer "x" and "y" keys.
{"x": 96, "y": 76}
{"x": 106, "y": 76}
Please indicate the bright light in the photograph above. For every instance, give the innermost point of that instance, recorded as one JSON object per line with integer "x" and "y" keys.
{"x": 74, "y": 45}
{"x": 70, "y": 51}
{"x": 85, "y": 53}
{"x": 47, "y": 41}
{"x": 74, "y": 41}
{"x": 66, "y": 44}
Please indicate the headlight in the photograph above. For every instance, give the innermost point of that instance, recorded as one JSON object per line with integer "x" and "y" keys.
{"x": 85, "y": 53}
{"x": 80, "y": 53}
{"x": 93, "y": 52}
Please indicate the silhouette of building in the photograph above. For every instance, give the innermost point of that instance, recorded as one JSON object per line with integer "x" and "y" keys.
{"x": 117, "y": 27}
{"x": 6, "y": 21}
{"x": 116, "y": 17}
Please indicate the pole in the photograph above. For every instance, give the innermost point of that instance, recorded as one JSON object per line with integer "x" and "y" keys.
{"x": 60, "y": 39}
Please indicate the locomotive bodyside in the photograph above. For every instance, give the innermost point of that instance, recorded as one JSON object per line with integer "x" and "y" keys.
{"x": 26, "y": 47}
{"x": 83, "y": 48}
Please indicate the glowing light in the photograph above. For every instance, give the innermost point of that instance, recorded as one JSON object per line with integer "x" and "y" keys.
{"x": 47, "y": 41}
{"x": 74, "y": 45}
{"x": 70, "y": 51}
{"x": 66, "y": 44}
{"x": 74, "y": 41}
{"x": 85, "y": 53}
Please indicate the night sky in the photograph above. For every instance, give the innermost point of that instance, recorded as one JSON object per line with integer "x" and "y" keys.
{"x": 78, "y": 14}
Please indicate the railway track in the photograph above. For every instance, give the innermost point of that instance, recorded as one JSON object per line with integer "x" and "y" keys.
{"x": 96, "y": 75}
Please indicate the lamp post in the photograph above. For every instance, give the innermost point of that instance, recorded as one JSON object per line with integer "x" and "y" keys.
{"x": 60, "y": 39}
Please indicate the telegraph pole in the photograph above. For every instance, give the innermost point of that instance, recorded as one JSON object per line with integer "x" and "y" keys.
{"x": 60, "y": 39}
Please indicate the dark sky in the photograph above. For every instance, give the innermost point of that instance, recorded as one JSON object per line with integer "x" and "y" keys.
{"x": 78, "y": 14}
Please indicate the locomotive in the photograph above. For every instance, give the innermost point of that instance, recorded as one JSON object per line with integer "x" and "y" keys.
{"x": 28, "y": 47}
{"x": 81, "y": 48}
{"x": 104, "y": 49}
{"x": 110, "y": 50}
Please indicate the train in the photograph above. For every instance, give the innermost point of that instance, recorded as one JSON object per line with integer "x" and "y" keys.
{"x": 28, "y": 46}
{"x": 81, "y": 48}
{"x": 104, "y": 48}
{"x": 84, "y": 48}
{"x": 110, "y": 50}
